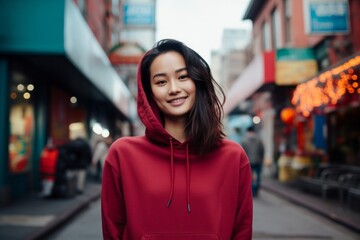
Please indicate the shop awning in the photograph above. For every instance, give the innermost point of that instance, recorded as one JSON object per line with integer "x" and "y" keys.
{"x": 86, "y": 53}
{"x": 59, "y": 39}
{"x": 258, "y": 72}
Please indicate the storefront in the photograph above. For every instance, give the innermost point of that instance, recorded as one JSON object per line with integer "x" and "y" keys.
{"x": 50, "y": 80}
{"x": 330, "y": 104}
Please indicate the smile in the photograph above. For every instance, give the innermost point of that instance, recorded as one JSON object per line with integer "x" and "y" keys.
{"x": 177, "y": 101}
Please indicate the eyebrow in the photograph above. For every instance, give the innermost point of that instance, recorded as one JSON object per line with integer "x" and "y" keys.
{"x": 164, "y": 74}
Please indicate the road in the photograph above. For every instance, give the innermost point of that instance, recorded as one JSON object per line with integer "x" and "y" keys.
{"x": 274, "y": 218}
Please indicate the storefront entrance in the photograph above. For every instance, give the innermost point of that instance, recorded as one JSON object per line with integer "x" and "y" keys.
{"x": 344, "y": 135}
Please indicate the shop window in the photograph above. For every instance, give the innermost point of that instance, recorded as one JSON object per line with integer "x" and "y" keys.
{"x": 65, "y": 109}
{"x": 21, "y": 124}
{"x": 266, "y": 34}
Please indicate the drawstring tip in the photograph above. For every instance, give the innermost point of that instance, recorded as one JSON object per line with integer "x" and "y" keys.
{"x": 168, "y": 203}
{"x": 188, "y": 207}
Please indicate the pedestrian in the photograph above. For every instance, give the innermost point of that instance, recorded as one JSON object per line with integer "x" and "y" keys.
{"x": 78, "y": 157}
{"x": 183, "y": 179}
{"x": 254, "y": 149}
{"x": 48, "y": 163}
{"x": 100, "y": 152}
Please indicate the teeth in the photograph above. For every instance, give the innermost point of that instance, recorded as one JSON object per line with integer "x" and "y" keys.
{"x": 176, "y": 100}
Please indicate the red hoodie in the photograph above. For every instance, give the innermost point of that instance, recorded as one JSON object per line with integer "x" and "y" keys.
{"x": 156, "y": 188}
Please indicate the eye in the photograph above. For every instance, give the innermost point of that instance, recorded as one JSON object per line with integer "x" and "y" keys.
{"x": 160, "y": 82}
{"x": 183, "y": 77}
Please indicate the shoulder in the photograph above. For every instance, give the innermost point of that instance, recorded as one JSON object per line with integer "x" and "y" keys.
{"x": 126, "y": 144}
{"x": 233, "y": 151}
{"x": 127, "y": 141}
{"x": 230, "y": 145}
{"x": 123, "y": 148}
{"x": 231, "y": 148}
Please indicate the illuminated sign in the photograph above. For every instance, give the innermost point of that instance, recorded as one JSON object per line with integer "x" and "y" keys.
{"x": 139, "y": 14}
{"x": 294, "y": 65}
{"x": 326, "y": 16}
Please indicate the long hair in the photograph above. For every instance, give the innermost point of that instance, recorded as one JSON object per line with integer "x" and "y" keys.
{"x": 204, "y": 128}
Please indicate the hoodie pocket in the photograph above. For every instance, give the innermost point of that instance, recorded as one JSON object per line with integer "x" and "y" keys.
{"x": 180, "y": 236}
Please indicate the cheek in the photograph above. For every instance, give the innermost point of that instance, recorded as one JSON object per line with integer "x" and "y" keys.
{"x": 190, "y": 86}
{"x": 158, "y": 94}
{"x": 193, "y": 99}
{"x": 192, "y": 89}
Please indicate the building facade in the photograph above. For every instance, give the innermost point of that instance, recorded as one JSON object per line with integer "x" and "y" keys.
{"x": 298, "y": 44}
{"x": 55, "y": 76}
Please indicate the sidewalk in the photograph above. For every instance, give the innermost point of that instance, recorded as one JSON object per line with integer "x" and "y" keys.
{"x": 34, "y": 218}
{"x": 330, "y": 208}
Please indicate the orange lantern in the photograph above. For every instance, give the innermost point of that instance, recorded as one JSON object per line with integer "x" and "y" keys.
{"x": 287, "y": 115}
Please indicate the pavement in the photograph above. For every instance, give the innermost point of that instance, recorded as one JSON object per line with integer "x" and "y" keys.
{"x": 35, "y": 218}
{"x": 330, "y": 208}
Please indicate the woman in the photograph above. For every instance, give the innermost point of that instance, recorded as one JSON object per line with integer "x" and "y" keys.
{"x": 183, "y": 179}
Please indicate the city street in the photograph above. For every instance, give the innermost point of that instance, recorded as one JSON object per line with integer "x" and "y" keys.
{"x": 137, "y": 98}
{"x": 274, "y": 218}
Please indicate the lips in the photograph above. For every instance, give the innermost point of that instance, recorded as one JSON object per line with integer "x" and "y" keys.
{"x": 177, "y": 101}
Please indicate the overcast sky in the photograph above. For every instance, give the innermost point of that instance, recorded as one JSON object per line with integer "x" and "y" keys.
{"x": 199, "y": 23}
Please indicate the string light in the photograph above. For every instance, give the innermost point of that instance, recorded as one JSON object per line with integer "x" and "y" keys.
{"x": 328, "y": 87}
{"x": 26, "y": 95}
{"x": 30, "y": 87}
{"x": 20, "y": 87}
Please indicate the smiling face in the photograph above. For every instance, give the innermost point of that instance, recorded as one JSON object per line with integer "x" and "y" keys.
{"x": 173, "y": 90}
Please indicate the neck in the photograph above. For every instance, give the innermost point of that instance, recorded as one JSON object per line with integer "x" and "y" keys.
{"x": 176, "y": 128}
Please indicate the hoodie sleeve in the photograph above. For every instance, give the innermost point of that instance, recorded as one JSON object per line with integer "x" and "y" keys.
{"x": 112, "y": 204}
{"x": 244, "y": 216}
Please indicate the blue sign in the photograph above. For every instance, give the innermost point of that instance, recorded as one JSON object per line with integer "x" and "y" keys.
{"x": 139, "y": 14}
{"x": 327, "y": 17}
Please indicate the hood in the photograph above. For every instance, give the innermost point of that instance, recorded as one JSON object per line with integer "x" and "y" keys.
{"x": 150, "y": 116}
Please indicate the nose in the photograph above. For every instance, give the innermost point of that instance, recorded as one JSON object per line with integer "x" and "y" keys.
{"x": 173, "y": 87}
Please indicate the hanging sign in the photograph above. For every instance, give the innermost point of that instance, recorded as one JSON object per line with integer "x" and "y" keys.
{"x": 326, "y": 17}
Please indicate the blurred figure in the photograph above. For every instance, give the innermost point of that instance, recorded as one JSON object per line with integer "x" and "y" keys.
{"x": 254, "y": 148}
{"x": 78, "y": 154}
{"x": 100, "y": 152}
{"x": 48, "y": 164}
{"x": 79, "y": 158}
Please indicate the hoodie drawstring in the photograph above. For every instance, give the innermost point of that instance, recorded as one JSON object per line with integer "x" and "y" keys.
{"x": 172, "y": 172}
{"x": 187, "y": 178}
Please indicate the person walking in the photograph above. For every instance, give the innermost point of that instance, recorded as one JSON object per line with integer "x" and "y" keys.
{"x": 100, "y": 152}
{"x": 254, "y": 149}
{"x": 77, "y": 154}
{"x": 183, "y": 179}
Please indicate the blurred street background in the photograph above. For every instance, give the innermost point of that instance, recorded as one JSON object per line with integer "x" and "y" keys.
{"x": 68, "y": 72}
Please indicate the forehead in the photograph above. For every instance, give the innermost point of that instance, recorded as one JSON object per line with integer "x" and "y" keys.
{"x": 167, "y": 62}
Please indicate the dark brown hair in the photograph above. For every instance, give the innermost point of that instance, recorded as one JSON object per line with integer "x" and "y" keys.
{"x": 204, "y": 128}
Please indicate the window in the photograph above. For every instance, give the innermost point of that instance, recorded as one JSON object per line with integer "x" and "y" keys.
{"x": 276, "y": 27}
{"x": 287, "y": 4}
{"x": 266, "y": 34}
